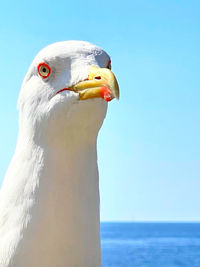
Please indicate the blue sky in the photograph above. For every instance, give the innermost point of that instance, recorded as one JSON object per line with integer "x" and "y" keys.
{"x": 149, "y": 146}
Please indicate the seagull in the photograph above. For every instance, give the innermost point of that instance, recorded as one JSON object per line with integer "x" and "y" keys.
{"x": 49, "y": 200}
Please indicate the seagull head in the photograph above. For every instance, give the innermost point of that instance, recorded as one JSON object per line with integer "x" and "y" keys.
{"x": 66, "y": 90}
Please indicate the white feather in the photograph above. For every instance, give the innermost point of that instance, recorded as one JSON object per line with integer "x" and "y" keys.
{"x": 49, "y": 201}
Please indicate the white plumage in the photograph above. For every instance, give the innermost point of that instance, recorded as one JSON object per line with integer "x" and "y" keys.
{"x": 49, "y": 201}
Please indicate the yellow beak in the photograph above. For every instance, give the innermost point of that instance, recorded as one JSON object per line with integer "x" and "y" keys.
{"x": 101, "y": 83}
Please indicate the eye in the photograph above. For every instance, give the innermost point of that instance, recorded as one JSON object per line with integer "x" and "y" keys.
{"x": 109, "y": 65}
{"x": 44, "y": 70}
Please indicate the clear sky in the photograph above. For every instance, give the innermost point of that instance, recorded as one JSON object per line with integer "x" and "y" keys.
{"x": 149, "y": 146}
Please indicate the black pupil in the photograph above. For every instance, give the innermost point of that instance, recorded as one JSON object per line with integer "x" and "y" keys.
{"x": 44, "y": 69}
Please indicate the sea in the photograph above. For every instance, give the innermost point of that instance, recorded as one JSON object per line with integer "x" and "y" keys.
{"x": 150, "y": 244}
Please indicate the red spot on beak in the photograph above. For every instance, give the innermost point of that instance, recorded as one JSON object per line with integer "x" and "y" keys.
{"x": 106, "y": 93}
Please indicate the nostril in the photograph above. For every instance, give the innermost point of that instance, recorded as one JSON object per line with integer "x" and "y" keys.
{"x": 98, "y": 77}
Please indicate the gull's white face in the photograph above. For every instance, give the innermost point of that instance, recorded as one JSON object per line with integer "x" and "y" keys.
{"x": 44, "y": 103}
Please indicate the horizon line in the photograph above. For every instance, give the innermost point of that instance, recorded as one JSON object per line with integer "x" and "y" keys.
{"x": 121, "y": 221}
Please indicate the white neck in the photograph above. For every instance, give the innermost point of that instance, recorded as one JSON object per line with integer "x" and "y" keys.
{"x": 54, "y": 214}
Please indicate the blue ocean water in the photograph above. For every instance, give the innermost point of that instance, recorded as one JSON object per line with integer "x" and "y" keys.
{"x": 150, "y": 244}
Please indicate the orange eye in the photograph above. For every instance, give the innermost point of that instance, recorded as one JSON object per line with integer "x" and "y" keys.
{"x": 44, "y": 70}
{"x": 109, "y": 65}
